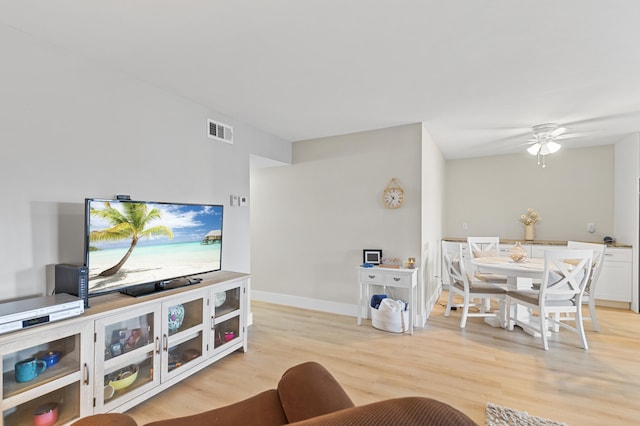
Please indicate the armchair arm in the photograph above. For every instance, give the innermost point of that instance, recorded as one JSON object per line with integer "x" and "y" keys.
{"x": 107, "y": 419}
{"x": 263, "y": 409}
{"x": 408, "y": 411}
{"x": 309, "y": 390}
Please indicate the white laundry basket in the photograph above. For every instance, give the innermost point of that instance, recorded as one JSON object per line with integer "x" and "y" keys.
{"x": 389, "y": 320}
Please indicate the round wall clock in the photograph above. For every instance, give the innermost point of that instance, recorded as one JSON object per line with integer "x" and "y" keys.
{"x": 393, "y": 195}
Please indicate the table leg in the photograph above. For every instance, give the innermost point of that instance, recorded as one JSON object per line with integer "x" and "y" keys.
{"x": 522, "y": 315}
{"x": 500, "y": 319}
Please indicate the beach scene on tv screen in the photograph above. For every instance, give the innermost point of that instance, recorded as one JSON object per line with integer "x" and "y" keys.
{"x": 136, "y": 243}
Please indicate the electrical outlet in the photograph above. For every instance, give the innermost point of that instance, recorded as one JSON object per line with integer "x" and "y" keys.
{"x": 465, "y": 226}
{"x": 234, "y": 200}
{"x": 591, "y": 228}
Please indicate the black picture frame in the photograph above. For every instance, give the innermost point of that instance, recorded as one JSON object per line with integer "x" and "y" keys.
{"x": 372, "y": 256}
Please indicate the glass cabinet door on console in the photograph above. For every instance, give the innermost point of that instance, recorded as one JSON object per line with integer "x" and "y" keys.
{"x": 46, "y": 374}
{"x": 227, "y": 323}
{"x": 127, "y": 356}
{"x": 183, "y": 339}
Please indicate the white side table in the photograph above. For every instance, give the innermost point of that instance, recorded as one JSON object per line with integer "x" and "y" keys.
{"x": 386, "y": 277}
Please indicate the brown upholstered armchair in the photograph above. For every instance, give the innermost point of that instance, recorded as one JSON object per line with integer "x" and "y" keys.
{"x": 308, "y": 394}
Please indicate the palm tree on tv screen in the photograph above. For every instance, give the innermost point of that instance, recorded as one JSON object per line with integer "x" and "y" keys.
{"x": 127, "y": 225}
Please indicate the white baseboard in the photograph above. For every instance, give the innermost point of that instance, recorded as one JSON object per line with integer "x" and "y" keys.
{"x": 306, "y": 303}
{"x": 430, "y": 305}
{"x": 326, "y": 306}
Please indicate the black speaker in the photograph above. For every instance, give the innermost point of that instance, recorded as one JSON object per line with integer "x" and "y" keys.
{"x": 73, "y": 279}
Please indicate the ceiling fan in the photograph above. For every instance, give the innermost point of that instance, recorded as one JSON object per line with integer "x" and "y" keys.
{"x": 544, "y": 141}
{"x": 548, "y": 138}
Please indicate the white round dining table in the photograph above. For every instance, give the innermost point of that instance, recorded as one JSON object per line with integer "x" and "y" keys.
{"x": 520, "y": 276}
{"x": 530, "y": 268}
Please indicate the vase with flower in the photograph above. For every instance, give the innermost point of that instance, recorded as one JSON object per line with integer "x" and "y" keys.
{"x": 529, "y": 220}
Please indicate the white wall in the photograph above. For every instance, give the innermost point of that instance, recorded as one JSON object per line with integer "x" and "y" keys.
{"x": 627, "y": 211}
{"x": 310, "y": 221}
{"x": 72, "y": 129}
{"x": 433, "y": 175}
{"x": 491, "y": 193}
{"x": 295, "y": 257}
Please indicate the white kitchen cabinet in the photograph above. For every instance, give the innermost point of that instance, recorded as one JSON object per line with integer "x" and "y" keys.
{"x": 453, "y": 248}
{"x": 615, "y": 278}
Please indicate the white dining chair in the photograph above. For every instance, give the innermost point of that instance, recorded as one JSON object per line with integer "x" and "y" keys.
{"x": 589, "y": 298}
{"x": 566, "y": 274}
{"x": 485, "y": 247}
{"x": 461, "y": 284}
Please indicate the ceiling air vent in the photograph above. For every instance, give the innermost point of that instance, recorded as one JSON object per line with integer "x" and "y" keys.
{"x": 220, "y": 131}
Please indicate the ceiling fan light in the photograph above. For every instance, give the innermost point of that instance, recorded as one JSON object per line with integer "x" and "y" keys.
{"x": 544, "y": 149}
{"x": 534, "y": 149}
{"x": 544, "y": 136}
{"x": 553, "y": 147}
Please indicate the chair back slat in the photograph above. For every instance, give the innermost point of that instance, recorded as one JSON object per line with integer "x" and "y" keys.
{"x": 455, "y": 268}
{"x": 599, "y": 251}
{"x": 566, "y": 274}
{"x": 479, "y": 246}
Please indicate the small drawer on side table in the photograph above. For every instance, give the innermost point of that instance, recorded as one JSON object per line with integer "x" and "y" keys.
{"x": 397, "y": 280}
{"x": 371, "y": 277}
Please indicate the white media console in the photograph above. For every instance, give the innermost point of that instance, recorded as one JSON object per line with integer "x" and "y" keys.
{"x": 123, "y": 350}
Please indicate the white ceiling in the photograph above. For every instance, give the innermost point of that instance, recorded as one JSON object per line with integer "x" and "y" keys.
{"x": 478, "y": 73}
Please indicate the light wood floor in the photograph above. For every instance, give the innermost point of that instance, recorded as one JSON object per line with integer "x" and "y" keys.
{"x": 465, "y": 368}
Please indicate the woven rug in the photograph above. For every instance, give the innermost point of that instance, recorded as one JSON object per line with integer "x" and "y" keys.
{"x": 502, "y": 416}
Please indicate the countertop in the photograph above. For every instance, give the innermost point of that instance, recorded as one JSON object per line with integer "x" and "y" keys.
{"x": 536, "y": 242}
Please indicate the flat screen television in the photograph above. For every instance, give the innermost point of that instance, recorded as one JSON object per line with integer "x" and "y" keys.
{"x": 136, "y": 247}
